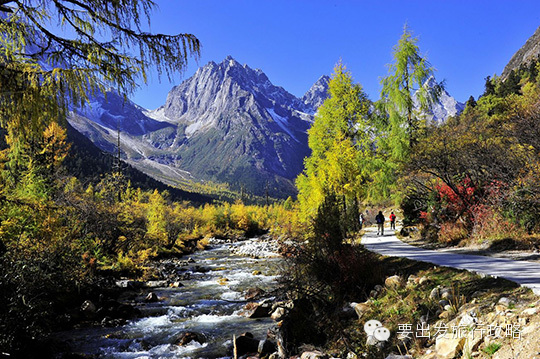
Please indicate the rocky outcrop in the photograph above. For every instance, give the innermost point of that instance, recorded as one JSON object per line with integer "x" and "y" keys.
{"x": 189, "y": 337}
{"x": 529, "y": 51}
{"x": 316, "y": 94}
{"x": 257, "y": 310}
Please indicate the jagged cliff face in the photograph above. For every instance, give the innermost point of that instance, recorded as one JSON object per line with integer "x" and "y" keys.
{"x": 227, "y": 123}
{"x": 235, "y": 126}
{"x": 528, "y": 52}
{"x": 446, "y": 106}
{"x": 316, "y": 94}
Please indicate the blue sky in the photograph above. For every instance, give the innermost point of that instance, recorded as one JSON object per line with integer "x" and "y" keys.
{"x": 296, "y": 41}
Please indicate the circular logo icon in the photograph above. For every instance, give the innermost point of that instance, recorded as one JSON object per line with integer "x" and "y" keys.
{"x": 371, "y": 326}
{"x": 381, "y": 334}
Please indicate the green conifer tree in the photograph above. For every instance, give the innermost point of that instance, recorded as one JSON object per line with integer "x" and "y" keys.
{"x": 471, "y": 102}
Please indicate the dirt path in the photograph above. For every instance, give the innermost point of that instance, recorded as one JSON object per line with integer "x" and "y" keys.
{"x": 522, "y": 272}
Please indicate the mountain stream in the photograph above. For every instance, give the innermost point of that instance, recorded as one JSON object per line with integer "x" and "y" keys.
{"x": 209, "y": 304}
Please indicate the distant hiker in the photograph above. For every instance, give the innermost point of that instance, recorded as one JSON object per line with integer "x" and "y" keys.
{"x": 392, "y": 221}
{"x": 361, "y": 220}
{"x": 380, "y": 223}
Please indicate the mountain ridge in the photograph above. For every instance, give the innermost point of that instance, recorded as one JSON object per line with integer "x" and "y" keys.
{"x": 524, "y": 55}
{"x": 226, "y": 123}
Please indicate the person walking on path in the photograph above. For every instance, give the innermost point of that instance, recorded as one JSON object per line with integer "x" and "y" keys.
{"x": 393, "y": 221}
{"x": 361, "y": 220}
{"x": 380, "y": 223}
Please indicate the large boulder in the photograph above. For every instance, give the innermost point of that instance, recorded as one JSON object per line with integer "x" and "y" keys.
{"x": 393, "y": 282}
{"x": 257, "y": 310}
{"x": 360, "y": 308}
{"x": 188, "y": 337}
{"x": 246, "y": 345}
{"x": 448, "y": 348}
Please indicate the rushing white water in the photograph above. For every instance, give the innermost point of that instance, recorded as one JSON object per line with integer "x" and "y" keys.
{"x": 208, "y": 304}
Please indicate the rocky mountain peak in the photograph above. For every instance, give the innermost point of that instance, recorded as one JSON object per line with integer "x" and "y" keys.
{"x": 227, "y": 123}
{"x": 316, "y": 95}
{"x": 529, "y": 51}
{"x": 431, "y": 82}
{"x": 229, "y": 61}
{"x": 445, "y": 107}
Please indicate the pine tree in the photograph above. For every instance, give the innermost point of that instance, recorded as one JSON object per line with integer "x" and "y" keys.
{"x": 489, "y": 86}
{"x": 471, "y": 102}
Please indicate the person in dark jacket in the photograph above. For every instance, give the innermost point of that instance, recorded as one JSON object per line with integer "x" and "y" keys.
{"x": 380, "y": 223}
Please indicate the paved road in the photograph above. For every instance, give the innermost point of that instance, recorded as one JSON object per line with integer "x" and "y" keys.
{"x": 522, "y": 272}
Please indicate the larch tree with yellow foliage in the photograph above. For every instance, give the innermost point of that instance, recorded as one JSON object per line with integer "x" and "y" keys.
{"x": 341, "y": 142}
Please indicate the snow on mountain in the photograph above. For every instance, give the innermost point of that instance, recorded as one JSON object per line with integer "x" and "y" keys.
{"x": 227, "y": 123}
{"x": 282, "y": 122}
{"x": 114, "y": 112}
{"x": 445, "y": 107}
{"x": 316, "y": 95}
